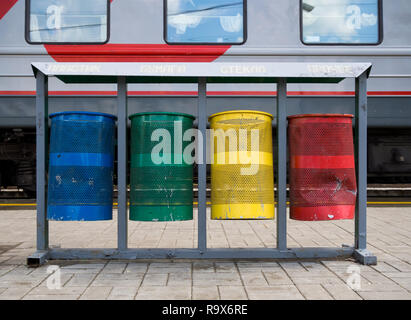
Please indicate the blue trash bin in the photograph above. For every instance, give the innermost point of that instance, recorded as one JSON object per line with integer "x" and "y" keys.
{"x": 81, "y": 164}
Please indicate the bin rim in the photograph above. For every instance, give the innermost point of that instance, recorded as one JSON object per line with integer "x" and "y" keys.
{"x": 89, "y": 113}
{"x": 321, "y": 115}
{"x": 181, "y": 114}
{"x": 240, "y": 111}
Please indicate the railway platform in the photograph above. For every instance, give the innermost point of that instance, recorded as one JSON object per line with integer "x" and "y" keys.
{"x": 389, "y": 238}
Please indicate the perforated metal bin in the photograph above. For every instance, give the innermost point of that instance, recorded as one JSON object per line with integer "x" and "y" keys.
{"x": 161, "y": 179}
{"x": 322, "y": 167}
{"x": 81, "y": 162}
{"x": 242, "y": 176}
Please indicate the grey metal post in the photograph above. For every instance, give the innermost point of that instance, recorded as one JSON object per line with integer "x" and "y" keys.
{"x": 361, "y": 254}
{"x": 41, "y": 163}
{"x": 122, "y": 234}
{"x": 282, "y": 164}
{"x": 361, "y": 163}
{"x": 202, "y": 166}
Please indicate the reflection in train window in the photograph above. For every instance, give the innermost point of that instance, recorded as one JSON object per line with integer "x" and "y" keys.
{"x": 341, "y": 21}
{"x": 205, "y": 21}
{"x": 67, "y": 21}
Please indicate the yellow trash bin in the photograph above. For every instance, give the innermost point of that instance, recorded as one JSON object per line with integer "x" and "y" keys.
{"x": 242, "y": 177}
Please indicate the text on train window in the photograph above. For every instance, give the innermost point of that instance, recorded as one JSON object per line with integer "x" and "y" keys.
{"x": 205, "y": 21}
{"x": 341, "y": 21}
{"x": 67, "y": 21}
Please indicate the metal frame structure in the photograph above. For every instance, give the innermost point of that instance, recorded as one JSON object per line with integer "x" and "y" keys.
{"x": 202, "y": 73}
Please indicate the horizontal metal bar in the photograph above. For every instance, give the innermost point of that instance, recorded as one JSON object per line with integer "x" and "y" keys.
{"x": 376, "y": 76}
{"x": 383, "y": 76}
{"x": 249, "y": 253}
{"x": 216, "y": 72}
{"x": 38, "y": 258}
{"x": 16, "y": 76}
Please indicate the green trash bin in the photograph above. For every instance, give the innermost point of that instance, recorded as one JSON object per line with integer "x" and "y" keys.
{"x": 161, "y": 181}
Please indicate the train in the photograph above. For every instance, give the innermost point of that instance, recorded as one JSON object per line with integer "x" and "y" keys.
{"x": 207, "y": 31}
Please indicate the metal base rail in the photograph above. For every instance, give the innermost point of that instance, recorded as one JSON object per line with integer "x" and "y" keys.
{"x": 358, "y": 252}
{"x": 362, "y": 256}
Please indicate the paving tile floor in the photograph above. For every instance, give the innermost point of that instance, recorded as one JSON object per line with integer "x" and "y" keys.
{"x": 389, "y": 237}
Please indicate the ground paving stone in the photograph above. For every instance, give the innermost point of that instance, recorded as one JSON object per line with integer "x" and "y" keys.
{"x": 389, "y": 237}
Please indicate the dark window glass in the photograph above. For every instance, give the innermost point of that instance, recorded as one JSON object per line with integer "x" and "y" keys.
{"x": 67, "y": 21}
{"x": 205, "y": 21}
{"x": 340, "y": 21}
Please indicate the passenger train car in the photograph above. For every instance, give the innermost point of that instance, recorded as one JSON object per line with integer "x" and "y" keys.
{"x": 206, "y": 31}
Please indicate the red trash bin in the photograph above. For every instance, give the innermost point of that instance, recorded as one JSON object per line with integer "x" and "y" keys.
{"x": 322, "y": 167}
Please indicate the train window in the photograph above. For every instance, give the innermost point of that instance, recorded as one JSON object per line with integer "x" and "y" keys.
{"x": 205, "y": 21}
{"x": 343, "y": 22}
{"x": 67, "y": 21}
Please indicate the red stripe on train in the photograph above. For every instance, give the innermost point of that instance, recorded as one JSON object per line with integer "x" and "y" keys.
{"x": 209, "y": 93}
{"x": 5, "y": 6}
{"x": 135, "y": 53}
